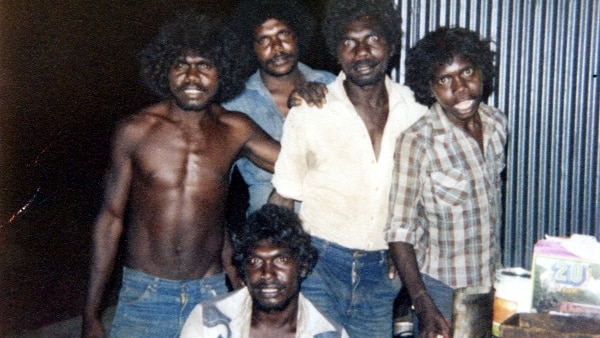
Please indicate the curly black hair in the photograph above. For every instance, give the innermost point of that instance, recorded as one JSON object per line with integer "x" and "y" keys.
{"x": 191, "y": 31}
{"x": 250, "y": 14}
{"x": 282, "y": 227}
{"x": 438, "y": 48}
{"x": 340, "y": 12}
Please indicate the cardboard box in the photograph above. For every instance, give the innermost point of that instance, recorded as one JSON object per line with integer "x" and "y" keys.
{"x": 539, "y": 325}
{"x": 566, "y": 276}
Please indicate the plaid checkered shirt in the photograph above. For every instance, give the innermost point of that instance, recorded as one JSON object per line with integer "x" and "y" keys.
{"x": 445, "y": 197}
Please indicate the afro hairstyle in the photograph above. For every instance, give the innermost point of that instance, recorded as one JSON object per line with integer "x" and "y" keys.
{"x": 250, "y": 14}
{"x": 438, "y": 48}
{"x": 340, "y": 12}
{"x": 191, "y": 31}
{"x": 280, "y": 226}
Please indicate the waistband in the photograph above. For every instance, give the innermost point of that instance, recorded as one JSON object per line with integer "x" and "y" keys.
{"x": 322, "y": 245}
{"x": 144, "y": 278}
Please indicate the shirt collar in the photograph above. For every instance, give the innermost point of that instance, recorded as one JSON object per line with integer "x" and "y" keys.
{"x": 339, "y": 92}
{"x": 255, "y": 82}
{"x": 445, "y": 125}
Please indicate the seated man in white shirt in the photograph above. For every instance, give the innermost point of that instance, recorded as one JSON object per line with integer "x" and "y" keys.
{"x": 273, "y": 255}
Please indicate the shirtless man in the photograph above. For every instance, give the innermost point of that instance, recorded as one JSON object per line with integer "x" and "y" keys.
{"x": 170, "y": 170}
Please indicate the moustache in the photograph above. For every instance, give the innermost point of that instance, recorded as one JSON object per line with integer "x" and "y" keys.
{"x": 279, "y": 56}
{"x": 364, "y": 63}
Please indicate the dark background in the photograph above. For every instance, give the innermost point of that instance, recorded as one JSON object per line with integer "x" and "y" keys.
{"x": 68, "y": 72}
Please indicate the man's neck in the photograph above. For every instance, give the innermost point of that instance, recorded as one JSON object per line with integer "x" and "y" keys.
{"x": 280, "y": 87}
{"x": 374, "y": 95}
{"x": 371, "y": 104}
{"x": 176, "y": 113}
{"x": 275, "y": 82}
{"x": 275, "y": 323}
{"x": 472, "y": 126}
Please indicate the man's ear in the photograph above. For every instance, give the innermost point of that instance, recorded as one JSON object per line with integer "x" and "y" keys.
{"x": 303, "y": 270}
{"x": 392, "y": 52}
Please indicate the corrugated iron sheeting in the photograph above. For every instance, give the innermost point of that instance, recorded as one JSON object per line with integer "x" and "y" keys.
{"x": 548, "y": 63}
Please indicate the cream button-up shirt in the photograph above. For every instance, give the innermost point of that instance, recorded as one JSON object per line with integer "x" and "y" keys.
{"x": 327, "y": 161}
{"x": 231, "y": 316}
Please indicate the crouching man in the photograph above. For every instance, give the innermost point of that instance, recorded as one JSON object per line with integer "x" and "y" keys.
{"x": 273, "y": 255}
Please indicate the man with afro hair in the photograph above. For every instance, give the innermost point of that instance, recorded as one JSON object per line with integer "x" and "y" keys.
{"x": 170, "y": 175}
{"x": 445, "y": 199}
{"x": 338, "y": 161}
{"x": 273, "y": 255}
{"x": 275, "y": 34}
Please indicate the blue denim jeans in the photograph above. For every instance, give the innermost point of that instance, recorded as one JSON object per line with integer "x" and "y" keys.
{"x": 442, "y": 296}
{"x": 155, "y": 307}
{"x": 352, "y": 288}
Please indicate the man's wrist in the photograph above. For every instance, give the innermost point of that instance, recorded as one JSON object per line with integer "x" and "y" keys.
{"x": 419, "y": 294}
{"x": 421, "y": 302}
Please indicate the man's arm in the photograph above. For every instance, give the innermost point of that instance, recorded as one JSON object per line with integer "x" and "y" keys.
{"x": 410, "y": 160}
{"x": 276, "y": 198}
{"x": 431, "y": 321}
{"x": 106, "y": 235}
{"x": 230, "y": 270}
{"x": 260, "y": 148}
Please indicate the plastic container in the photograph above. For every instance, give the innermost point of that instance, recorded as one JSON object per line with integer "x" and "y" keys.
{"x": 513, "y": 295}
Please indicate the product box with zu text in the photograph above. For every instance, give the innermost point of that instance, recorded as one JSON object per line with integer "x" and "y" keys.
{"x": 566, "y": 276}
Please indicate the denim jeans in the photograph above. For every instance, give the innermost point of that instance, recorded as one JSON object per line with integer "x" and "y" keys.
{"x": 352, "y": 288}
{"x": 155, "y": 307}
{"x": 442, "y": 296}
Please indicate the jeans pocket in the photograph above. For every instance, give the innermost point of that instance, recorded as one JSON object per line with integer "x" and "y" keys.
{"x": 131, "y": 295}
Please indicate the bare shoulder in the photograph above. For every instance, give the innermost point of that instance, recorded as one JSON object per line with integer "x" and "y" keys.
{"x": 234, "y": 119}
{"x": 134, "y": 127}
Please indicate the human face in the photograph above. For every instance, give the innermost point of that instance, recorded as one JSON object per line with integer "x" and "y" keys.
{"x": 193, "y": 81}
{"x": 458, "y": 87}
{"x": 275, "y": 48}
{"x": 272, "y": 276}
{"x": 363, "y": 52}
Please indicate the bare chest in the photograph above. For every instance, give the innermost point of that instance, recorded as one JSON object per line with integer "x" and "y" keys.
{"x": 177, "y": 157}
{"x": 374, "y": 120}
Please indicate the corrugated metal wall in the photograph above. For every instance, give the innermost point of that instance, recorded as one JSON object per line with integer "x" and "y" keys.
{"x": 548, "y": 85}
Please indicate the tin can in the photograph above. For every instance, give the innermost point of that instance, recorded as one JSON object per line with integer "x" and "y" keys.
{"x": 513, "y": 295}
